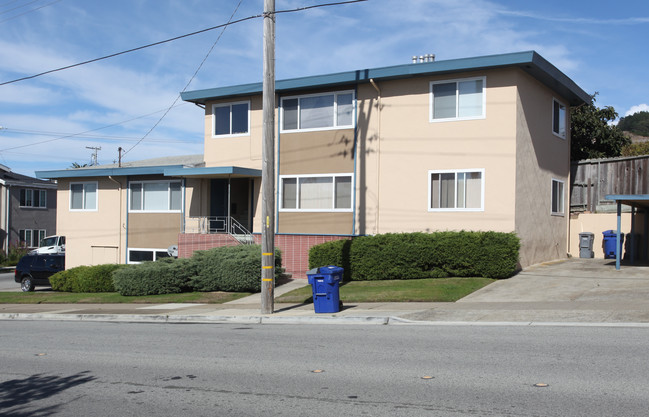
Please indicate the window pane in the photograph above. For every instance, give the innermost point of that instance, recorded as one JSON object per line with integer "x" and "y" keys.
{"x": 240, "y": 118}
{"x": 90, "y": 197}
{"x": 136, "y": 196}
{"x": 37, "y": 198}
{"x": 447, "y": 190}
{"x": 41, "y": 236}
{"x": 290, "y": 113}
{"x": 222, "y": 120}
{"x": 176, "y": 196}
{"x": 559, "y": 119}
{"x": 156, "y": 196}
{"x": 28, "y": 238}
{"x": 460, "y": 189}
{"x": 43, "y": 198}
{"x": 140, "y": 255}
{"x": 316, "y": 193}
{"x": 557, "y": 197}
{"x": 76, "y": 196}
{"x": 316, "y": 112}
{"x": 434, "y": 191}
{"x": 345, "y": 109}
{"x": 289, "y": 193}
{"x": 343, "y": 192}
{"x": 470, "y": 98}
{"x": 444, "y": 101}
{"x": 473, "y": 190}
{"x": 23, "y": 198}
{"x": 161, "y": 254}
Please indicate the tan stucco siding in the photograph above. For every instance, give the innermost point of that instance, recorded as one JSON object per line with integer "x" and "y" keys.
{"x": 102, "y": 228}
{"x": 541, "y": 156}
{"x": 596, "y": 223}
{"x": 316, "y": 223}
{"x": 153, "y": 230}
{"x": 245, "y": 150}
{"x": 401, "y": 146}
{"x": 319, "y": 152}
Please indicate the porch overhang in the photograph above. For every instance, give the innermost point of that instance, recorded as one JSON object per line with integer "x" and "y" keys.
{"x": 213, "y": 172}
{"x": 634, "y": 201}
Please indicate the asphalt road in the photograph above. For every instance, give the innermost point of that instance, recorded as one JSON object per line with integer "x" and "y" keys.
{"x": 104, "y": 369}
{"x": 7, "y": 282}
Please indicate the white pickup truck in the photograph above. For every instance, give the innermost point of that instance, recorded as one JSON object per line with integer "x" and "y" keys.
{"x": 51, "y": 244}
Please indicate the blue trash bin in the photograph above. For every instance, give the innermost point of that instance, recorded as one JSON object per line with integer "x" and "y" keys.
{"x": 610, "y": 243}
{"x": 325, "y": 282}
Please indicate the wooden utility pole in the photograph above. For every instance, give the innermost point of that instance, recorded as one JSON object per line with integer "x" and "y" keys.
{"x": 268, "y": 164}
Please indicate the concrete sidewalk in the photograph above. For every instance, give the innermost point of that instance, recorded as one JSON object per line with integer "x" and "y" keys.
{"x": 572, "y": 292}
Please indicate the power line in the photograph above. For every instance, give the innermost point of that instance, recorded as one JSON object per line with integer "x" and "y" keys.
{"x": 188, "y": 82}
{"x": 28, "y": 11}
{"x": 299, "y": 9}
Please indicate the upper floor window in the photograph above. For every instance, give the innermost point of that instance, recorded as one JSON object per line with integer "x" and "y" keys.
{"x": 457, "y": 99}
{"x": 451, "y": 190}
{"x": 231, "y": 119}
{"x": 328, "y": 192}
{"x": 155, "y": 196}
{"x": 83, "y": 196}
{"x": 557, "y": 197}
{"x": 318, "y": 111}
{"x": 33, "y": 198}
{"x": 558, "y": 119}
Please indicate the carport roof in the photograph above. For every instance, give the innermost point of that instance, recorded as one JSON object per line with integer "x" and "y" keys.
{"x": 634, "y": 200}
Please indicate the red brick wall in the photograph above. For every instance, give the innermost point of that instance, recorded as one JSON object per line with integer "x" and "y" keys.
{"x": 295, "y": 248}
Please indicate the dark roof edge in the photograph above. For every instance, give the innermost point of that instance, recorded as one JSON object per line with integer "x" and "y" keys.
{"x": 104, "y": 172}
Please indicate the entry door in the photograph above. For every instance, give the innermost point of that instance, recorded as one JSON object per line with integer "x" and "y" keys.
{"x": 218, "y": 205}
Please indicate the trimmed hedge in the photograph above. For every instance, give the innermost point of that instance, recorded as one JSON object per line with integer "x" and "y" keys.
{"x": 96, "y": 278}
{"x": 231, "y": 268}
{"x": 421, "y": 255}
{"x": 166, "y": 276}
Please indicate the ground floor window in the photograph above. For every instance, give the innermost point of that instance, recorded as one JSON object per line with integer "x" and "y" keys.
{"x": 326, "y": 192}
{"x": 557, "y": 197}
{"x": 31, "y": 237}
{"x": 136, "y": 256}
{"x": 456, "y": 190}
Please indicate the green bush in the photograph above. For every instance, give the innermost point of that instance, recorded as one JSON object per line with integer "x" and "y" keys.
{"x": 231, "y": 268}
{"x": 422, "y": 255}
{"x": 166, "y": 276}
{"x": 96, "y": 278}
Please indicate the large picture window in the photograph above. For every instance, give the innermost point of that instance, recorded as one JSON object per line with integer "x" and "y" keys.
{"x": 318, "y": 111}
{"x": 558, "y": 119}
{"x": 136, "y": 256}
{"x": 231, "y": 119}
{"x": 316, "y": 193}
{"x": 457, "y": 99}
{"x": 33, "y": 198}
{"x": 557, "y": 197}
{"x": 155, "y": 196}
{"x": 461, "y": 190}
{"x": 83, "y": 196}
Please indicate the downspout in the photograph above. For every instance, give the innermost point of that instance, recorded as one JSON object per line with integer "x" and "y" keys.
{"x": 7, "y": 218}
{"x": 119, "y": 189}
{"x": 378, "y": 144}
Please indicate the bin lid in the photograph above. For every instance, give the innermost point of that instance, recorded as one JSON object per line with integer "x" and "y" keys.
{"x": 331, "y": 269}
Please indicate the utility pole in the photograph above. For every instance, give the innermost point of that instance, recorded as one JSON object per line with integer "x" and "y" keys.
{"x": 119, "y": 156}
{"x": 93, "y": 157}
{"x": 268, "y": 164}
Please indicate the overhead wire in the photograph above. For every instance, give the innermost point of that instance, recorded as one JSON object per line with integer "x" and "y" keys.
{"x": 28, "y": 11}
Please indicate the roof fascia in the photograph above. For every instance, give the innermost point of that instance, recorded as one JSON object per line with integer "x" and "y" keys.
{"x": 104, "y": 172}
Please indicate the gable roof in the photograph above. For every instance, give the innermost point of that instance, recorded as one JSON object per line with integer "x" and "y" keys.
{"x": 529, "y": 61}
{"x": 7, "y": 177}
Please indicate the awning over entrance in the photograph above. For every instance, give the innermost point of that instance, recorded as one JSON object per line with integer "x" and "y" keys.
{"x": 635, "y": 201}
{"x": 206, "y": 172}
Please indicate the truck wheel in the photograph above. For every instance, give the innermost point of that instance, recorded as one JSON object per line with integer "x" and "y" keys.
{"x": 27, "y": 284}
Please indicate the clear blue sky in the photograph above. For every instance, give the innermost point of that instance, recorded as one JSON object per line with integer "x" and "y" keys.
{"x": 600, "y": 45}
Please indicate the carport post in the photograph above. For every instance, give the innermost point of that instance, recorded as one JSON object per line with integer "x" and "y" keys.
{"x": 619, "y": 227}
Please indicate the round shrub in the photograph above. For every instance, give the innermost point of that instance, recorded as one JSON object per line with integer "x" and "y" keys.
{"x": 97, "y": 278}
{"x": 166, "y": 276}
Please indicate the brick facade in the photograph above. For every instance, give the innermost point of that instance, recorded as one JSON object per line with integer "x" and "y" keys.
{"x": 295, "y": 248}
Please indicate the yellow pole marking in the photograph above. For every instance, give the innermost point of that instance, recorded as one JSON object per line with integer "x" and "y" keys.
{"x": 266, "y": 279}
{"x": 267, "y": 267}
{"x": 267, "y": 254}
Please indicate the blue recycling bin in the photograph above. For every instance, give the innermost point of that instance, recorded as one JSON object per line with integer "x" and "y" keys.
{"x": 610, "y": 243}
{"x": 325, "y": 284}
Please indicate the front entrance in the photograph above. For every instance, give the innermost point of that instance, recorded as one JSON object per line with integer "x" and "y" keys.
{"x": 231, "y": 205}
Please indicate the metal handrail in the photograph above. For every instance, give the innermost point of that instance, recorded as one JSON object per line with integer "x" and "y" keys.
{"x": 218, "y": 224}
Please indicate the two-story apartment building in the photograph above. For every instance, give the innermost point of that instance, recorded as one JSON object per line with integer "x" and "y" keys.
{"x": 27, "y": 209}
{"x": 467, "y": 144}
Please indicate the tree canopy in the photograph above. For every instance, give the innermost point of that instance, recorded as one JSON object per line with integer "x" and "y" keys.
{"x": 637, "y": 123}
{"x": 591, "y": 134}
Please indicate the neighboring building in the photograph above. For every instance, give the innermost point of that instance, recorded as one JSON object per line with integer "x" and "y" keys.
{"x": 467, "y": 144}
{"x": 27, "y": 209}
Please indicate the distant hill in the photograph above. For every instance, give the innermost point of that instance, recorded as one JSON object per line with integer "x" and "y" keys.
{"x": 637, "y": 124}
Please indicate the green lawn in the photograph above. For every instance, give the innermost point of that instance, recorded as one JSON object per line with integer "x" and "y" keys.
{"x": 432, "y": 290}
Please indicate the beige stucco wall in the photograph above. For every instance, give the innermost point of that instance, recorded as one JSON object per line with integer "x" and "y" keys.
{"x": 153, "y": 230}
{"x": 596, "y": 223}
{"x": 93, "y": 237}
{"x": 401, "y": 145}
{"x": 541, "y": 156}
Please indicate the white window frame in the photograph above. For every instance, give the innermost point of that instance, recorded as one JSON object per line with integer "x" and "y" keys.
{"x": 456, "y": 171}
{"x": 42, "y": 195}
{"x": 229, "y": 104}
{"x": 83, "y": 199}
{"x": 154, "y": 250}
{"x": 565, "y": 118}
{"x": 561, "y": 195}
{"x": 318, "y": 210}
{"x": 38, "y": 233}
{"x": 335, "y": 125}
{"x": 168, "y": 182}
{"x": 457, "y": 101}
